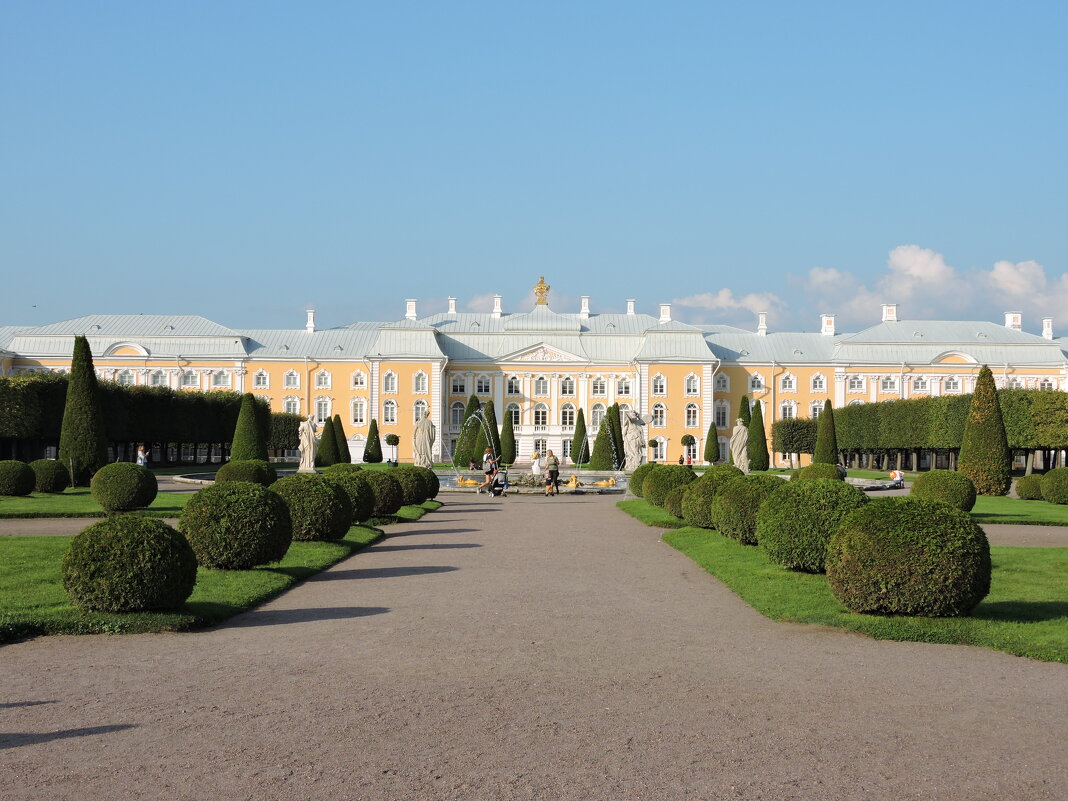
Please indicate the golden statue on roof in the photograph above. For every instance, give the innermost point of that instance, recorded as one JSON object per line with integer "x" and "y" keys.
{"x": 541, "y": 292}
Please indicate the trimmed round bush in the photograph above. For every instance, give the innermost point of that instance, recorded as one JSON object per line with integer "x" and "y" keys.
{"x": 129, "y": 563}
{"x": 673, "y": 500}
{"x": 236, "y": 525}
{"x": 1029, "y": 488}
{"x": 50, "y": 475}
{"x": 734, "y": 508}
{"x": 353, "y": 484}
{"x": 1055, "y": 485}
{"x": 413, "y": 485}
{"x": 318, "y": 509}
{"x": 658, "y": 483}
{"x": 257, "y": 471}
{"x": 389, "y": 497}
{"x": 16, "y": 478}
{"x": 433, "y": 484}
{"x": 909, "y": 556}
{"x": 795, "y": 523}
{"x": 946, "y": 486}
{"x": 720, "y": 474}
{"x": 639, "y": 475}
{"x": 122, "y": 486}
{"x": 819, "y": 471}
{"x": 697, "y": 502}
{"x": 342, "y": 467}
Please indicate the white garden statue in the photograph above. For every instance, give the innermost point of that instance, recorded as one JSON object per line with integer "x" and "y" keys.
{"x": 633, "y": 438}
{"x": 308, "y": 446}
{"x": 424, "y": 442}
{"x": 740, "y": 446}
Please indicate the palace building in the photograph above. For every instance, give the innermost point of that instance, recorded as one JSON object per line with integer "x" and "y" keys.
{"x": 541, "y": 366}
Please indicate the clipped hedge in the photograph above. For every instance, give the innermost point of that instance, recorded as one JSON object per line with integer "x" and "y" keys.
{"x": 665, "y": 478}
{"x": 735, "y": 505}
{"x": 358, "y": 489}
{"x": 16, "y": 478}
{"x": 819, "y": 471}
{"x": 909, "y": 556}
{"x": 342, "y": 467}
{"x": 697, "y": 503}
{"x": 720, "y": 474}
{"x": 1029, "y": 488}
{"x": 433, "y": 484}
{"x": 50, "y": 475}
{"x": 122, "y": 486}
{"x": 638, "y": 477}
{"x": 674, "y": 498}
{"x": 795, "y": 523}
{"x": 128, "y": 563}
{"x": 412, "y": 482}
{"x": 389, "y": 497}
{"x": 236, "y": 525}
{"x": 946, "y": 486}
{"x": 318, "y": 509}
{"x": 258, "y": 471}
{"x": 1055, "y": 485}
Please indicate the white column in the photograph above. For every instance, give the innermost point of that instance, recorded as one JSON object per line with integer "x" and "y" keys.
{"x": 376, "y": 392}
{"x": 839, "y": 389}
{"x": 438, "y": 397}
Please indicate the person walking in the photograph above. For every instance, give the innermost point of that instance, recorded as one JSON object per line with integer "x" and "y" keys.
{"x": 142, "y": 456}
{"x": 489, "y": 467}
{"x": 552, "y": 474}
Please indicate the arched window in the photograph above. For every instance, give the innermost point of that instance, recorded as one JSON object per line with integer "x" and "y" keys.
{"x": 567, "y": 387}
{"x": 420, "y": 382}
{"x": 220, "y": 379}
{"x": 322, "y": 409}
{"x": 513, "y": 409}
{"x": 126, "y": 378}
{"x": 456, "y": 414}
{"x": 857, "y": 402}
{"x": 567, "y": 415}
{"x": 459, "y": 385}
{"x": 513, "y": 386}
{"x": 623, "y": 386}
{"x": 787, "y": 410}
{"x": 389, "y": 382}
{"x": 190, "y": 379}
{"x": 291, "y": 380}
{"x": 919, "y": 384}
{"x": 816, "y": 410}
{"x": 359, "y": 411}
{"x": 598, "y": 387}
{"x": 856, "y": 383}
{"x": 659, "y": 385}
{"x": 482, "y": 385}
{"x": 756, "y": 383}
{"x": 951, "y": 384}
{"x": 723, "y": 382}
{"x": 693, "y": 416}
{"x": 157, "y": 379}
{"x": 1045, "y": 383}
{"x": 819, "y": 383}
{"x": 722, "y": 410}
{"x": 659, "y": 415}
{"x": 596, "y": 415}
{"x": 418, "y": 411}
{"x": 389, "y": 412}
{"x": 659, "y": 446}
{"x": 692, "y": 385}
{"x": 788, "y": 383}
{"x": 359, "y": 379}
{"x": 322, "y": 380}
{"x": 261, "y": 380}
{"x": 291, "y": 405}
{"x": 541, "y": 386}
{"x": 541, "y": 415}
{"x": 888, "y": 383}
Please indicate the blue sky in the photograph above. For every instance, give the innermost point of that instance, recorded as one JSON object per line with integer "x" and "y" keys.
{"x": 241, "y": 160}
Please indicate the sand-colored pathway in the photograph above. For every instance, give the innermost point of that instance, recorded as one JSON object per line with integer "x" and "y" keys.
{"x": 526, "y": 648}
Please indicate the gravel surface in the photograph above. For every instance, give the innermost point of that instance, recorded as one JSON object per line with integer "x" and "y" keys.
{"x": 524, "y": 648}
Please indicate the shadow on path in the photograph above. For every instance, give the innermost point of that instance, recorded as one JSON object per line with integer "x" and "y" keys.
{"x": 427, "y": 547}
{"x": 12, "y": 704}
{"x": 281, "y": 617}
{"x": 19, "y": 739}
{"x": 391, "y": 535}
{"x": 383, "y": 572}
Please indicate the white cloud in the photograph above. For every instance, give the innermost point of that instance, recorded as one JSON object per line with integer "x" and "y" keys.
{"x": 725, "y": 301}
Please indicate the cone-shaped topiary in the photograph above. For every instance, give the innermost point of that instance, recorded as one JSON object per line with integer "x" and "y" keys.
{"x": 616, "y": 427}
{"x": 580, "y": 446}
{"x": 758, "y": 441}
{"x": 735, "y": 505}
{"x": 820, "y": 470}
{"x": 909, "y": 556}
{"x": 1055, "y": 485}
{"x": 491, "y": 432}
{"x": 663, "y": 479}
{"x": 389, "y": 497}
{"x": 745, "y": 411}
{"x": 372, "y": 451}
{"x": 508, "y": 441}
{"x": 1029, "y": 488}
{"x": 344, "y": 455}
{"x": 984, "y": 451}
{"x": 711, "y": 453}
{"x": 248, "y": 441}
{"x": 945, "y": 486}
{"x": 129, "y": 563}
{"x": 465, "y": 443}
{"x": 795, "y": 523}
{"x": 318, "y": 509}
{"x": 83, "y": 447}
{"x": 634, "y": 483}
{"x": 16, "y": 478}
{"x": 601, "y": 459}
{"x": 354, "y": 484}
{"x": 327, "y": 454}
{"x": 254, "y": 470}
{"x": 826, "y": 438}
{"x": 123, "y": 486}
{"x": 49, "y": 475}
{"x": 236, "y": 525}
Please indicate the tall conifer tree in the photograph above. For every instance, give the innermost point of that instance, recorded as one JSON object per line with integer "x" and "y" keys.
{"x": 758, "y": 441}
{"x": 326, "y": 454}
{"x": 344, "y": 455}
{"x": 465, "y": 443}
{"x": 490, "y": 430}
{"x": 508, "y": 441}
{"x": 744, "y": 411}
{"x": 711, "y": 443}
{"x": 83, "y": 445}
{"x": 618, "y": 453}
{"x": 984, "y": 452}
{"x": 580, "y": 446}
{"x": 826, "y": 439}
{"x": 602, "y": 459}
{"x": 372, "y": 451}
{"x": 248, "y": 441}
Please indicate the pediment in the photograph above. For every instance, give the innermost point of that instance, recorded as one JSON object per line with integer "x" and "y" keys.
{"x": 542, "y": 353}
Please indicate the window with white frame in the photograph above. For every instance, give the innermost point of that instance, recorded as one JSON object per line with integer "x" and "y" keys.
{"x": 1014, "y": 383}
{"x": 261, "y": 380}
{"x": 816, "y": 409}
{"x": 659, "y": 415}
{"x": 418, "y": 411}
{"x": 724, "y": 448}
{"x": 541, "y": 386}
{"x": 693, "y": 415}
{"x": 359, "y": 379}
{"x": 723, "y": 382}
{"x": 389, "y": 382}
{"x": 722, "y": 410}
{"x": 459, "y": 385}
{"x": 787, "y": 410}
{"x": 220, "y": 379}
{"x": 291, "y": 405}
{"x": 567, "y": 415}
{"x": 482, "y": 385}
{"x": 623, "y": 386}
{"x": 541, "y": 415}
{"x": 818, "y": 383}
{"x": 855, "y": 383}
{"x": 291, "y": 380}
{"x": 567, "y": 386}
{"x": 788, "y": 383}
{"x": 1046, "y": 383}
{"x": 888, "y": 383}
{"x": 322, "y": 409}
{"x": 692, "y": 386}
{"x": 359, "y": 411}
{"x": 125, "y": 377}
{"x": 659, "y": 385}
{"x": 513, "y": 410}
{"x": 456, "y": 414}
{"x": 756, "y": 383}
{"x": 420, "y": 383}
{"x": 389, "y": 412}
{"x": 919, "y": 384}
{"x": 598, "y": 387}
{"x": 190, "y": 379}
{"x": 951, "y": 384}
{"x": 157, "y": 378}
{"x": 659, "y": 446}
{"x": 565, "y": 448}
{"x": 596, "y": 415}
{"x": 322, "y": 380}
{"x": 513, "y": 386}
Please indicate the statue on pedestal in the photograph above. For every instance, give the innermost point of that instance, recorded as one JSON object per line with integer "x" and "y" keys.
{"x": 633, "y": 439}
{"x": 740, "y": 446}
{"x": 424, "y": 442}
{"x": 308, "y": 446}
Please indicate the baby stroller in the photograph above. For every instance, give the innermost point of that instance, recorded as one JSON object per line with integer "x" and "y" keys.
{"x": 499, "y": 485}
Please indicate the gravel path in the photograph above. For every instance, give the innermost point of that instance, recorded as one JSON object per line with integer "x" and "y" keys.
{"x": 524, "y": 648}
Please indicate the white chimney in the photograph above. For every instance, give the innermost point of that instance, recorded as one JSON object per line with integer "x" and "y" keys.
{"x": 1047, "y": 327}
{"x": 665, "y": 312}
{"x": 827, "y": 324}
{"x": 584, "y": 311}
{"x": 496, "y": 305}
{"x": 1014, "y": 320}
{"x": 409, "y": 310}
{"x": 310, "y": 326}
{"x": 452, "y": 305}
{"x": 762, "y": 324}
{"x": 630, "y": 305}
{"x": 889, "y": 312}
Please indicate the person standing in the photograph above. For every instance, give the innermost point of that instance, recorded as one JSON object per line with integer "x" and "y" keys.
{"x": 142, "y": 456}
{"x": 552, "y": 474}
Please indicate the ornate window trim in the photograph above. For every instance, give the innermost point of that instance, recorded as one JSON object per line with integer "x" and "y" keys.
{"x": 658, "y": 385}
{"x": 358, "y": 411}
{"x": 818, "y": 383}
{"x": 261, "y": 379}
{"x": 567, "y": 387}
{"x": 692, "y": 415}
{"x": 567, "y": 415}
{"x": 856, "y": 383}
{"x": 691, "y": 386}
{"x": 756, "y": 383}
{"x": 722, "y": 382}
{"x": 541, "y": 387}
{"x": 323, "y": 379}
{"x": 389, "y": 383}
{"x": 291, "y": 380}
{"x": 389, "y": 413}
{"x": 358, "y": 380}
{"x": 788, "y": 383}
{"x": 291, "y": 404}
{"x": 599, "y": 387}
{"x": 483, "y": 385}
{"x": 419, "y": 410}
{"x": 320, "y": 401}
{"x": 659, "y": 412}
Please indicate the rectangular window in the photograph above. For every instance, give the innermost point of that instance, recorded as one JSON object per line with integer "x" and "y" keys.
{"x": 623, "y": 386}
{"x": 721, "y": 416}
{"x": 292, "y": 381}
{"x": 260, "y": 381}
{"x": 482, "y": 386}
{"x": 190, "y": 379}
{"x": 359, "y": 380}
{"x": 291, "y": 406}
{"x": 157, "y": 379}
{"x": 514, "y": 386}
{"x": 459, "y": 385}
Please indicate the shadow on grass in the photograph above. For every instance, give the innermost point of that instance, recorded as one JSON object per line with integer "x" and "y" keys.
{"x": 384, "y": 572}
{"x": 19, "y": 739}
{"x": 426, "y": 547}
{"x": 283, "y": 617}
{"x": 1022, "y": 611}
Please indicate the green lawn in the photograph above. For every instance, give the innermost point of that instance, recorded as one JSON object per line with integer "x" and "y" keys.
{"x": 33, "y": 601}
{"x": 79, "y": 502}
{"x": 1025, "y": 614}
{"x": 1012, "y": 510}
{"x": 649, "y": 514}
